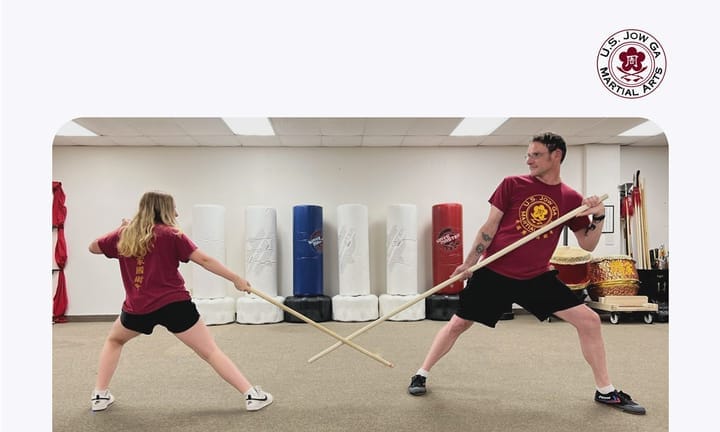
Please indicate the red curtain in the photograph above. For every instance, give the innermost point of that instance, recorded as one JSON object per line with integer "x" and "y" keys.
{"x": 60, "y": 300}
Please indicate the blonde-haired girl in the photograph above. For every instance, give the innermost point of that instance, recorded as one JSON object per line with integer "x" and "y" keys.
{"x": 149, "y": 249}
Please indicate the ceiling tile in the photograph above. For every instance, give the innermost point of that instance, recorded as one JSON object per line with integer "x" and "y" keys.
{"x": 108, "y": 126}
{"x": 203, "y": 126}
{"x": 382, "y": 141}
{"x": 433, "y": 126}
{"x": 156, "y": 126}
{"x": 507, "y": 140}
{"x": 388, "y": 126}
{"x": 296, "y": 126}
{"x": 342, "y": 126}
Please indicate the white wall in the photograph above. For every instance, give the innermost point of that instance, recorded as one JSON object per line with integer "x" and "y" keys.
{"x": 602, "y": 176}
{"x": 104, "y": 185}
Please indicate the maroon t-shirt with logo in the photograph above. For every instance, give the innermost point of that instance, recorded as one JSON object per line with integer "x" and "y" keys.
{"x": 527, "y": 205}
{"x": 153, "y": 281}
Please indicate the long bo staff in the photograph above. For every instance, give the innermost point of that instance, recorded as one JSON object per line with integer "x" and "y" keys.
{"x": 320, "y": 327}
{"x": 571, "y": 214}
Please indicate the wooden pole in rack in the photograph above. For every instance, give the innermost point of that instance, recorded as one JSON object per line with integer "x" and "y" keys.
{"x": 646, "y": 249}
{"x": 483, "y": 263}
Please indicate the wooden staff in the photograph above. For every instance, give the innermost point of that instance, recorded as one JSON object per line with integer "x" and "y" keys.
{"x": 628, "y": 224}
{"x": 626, "y": 207}
{"x": 320, "y": 327}
{"x": 637, "y": 221}
{"x": 646, "y": 250}
{"x": 457, "y": 277}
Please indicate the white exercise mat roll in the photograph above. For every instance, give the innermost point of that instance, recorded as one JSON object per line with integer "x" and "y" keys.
{"x": 208, "y": 222}
{"x": 353, "y": 250}
{"x": 207, "y": 285}
{"x": 401, "y": 242}
{"x": 261, "y": 249}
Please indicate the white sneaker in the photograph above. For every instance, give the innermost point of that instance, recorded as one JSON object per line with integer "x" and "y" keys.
{"x": 257, "y": 399}
{"x": 101, "y": 400}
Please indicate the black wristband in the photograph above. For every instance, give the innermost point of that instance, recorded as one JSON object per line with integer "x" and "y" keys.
{"x": 598, "y": 218}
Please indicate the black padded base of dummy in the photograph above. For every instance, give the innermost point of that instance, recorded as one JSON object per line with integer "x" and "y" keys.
{"x": 441, "y": 307}
{"x": 317, "y": 308}
{"x": 507, "y": 315}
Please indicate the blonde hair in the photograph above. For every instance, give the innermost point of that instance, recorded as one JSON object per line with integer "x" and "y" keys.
{"x": 136, "y": 239}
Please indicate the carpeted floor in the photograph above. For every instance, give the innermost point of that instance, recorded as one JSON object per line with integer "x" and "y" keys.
{"x": 525, "y": 375}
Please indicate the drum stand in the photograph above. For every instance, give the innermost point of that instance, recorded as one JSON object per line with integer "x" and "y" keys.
{"x": 622, "y": 305}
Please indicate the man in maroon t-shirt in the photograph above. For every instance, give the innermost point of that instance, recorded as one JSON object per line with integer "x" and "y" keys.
{"x": 519, "y": 206}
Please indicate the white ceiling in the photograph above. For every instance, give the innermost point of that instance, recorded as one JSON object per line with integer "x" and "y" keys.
{"x": 351, "y": 132}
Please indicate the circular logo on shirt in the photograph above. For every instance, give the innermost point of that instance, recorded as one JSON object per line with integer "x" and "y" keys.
{"x": 631, "y": 63}
{"x": 536, "y": 212}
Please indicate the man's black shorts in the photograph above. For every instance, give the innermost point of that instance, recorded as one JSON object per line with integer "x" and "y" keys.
{"x": 176, "y": 317}
{"x": 488, "y": 295}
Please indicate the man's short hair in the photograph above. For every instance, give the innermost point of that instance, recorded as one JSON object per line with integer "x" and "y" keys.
{"x": 552, "y": 142}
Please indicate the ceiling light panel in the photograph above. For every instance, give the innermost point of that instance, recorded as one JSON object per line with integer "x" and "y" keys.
{"x": 478, "y": 126}
{"x": 249, "y": 126}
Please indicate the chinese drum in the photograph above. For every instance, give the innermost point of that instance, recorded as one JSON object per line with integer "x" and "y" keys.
{"x": 573, "y": 265}
{"x": 613, "y": 276}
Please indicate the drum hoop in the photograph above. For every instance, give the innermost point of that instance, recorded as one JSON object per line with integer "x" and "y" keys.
{"x": 580, "y": 260}
{"x": 613, "y": 258}
{"x": 577, "y": 256}
{"x": 617, "y": 282}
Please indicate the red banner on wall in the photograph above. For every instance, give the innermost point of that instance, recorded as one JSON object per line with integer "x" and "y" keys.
{"x": 59, "y": 212}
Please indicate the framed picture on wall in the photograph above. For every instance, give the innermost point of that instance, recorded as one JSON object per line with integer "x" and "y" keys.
{"x": 609, "y": 225}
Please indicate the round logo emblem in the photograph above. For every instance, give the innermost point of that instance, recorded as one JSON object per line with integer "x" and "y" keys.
{"x": 631, "y": 63}
{"x": 536, "y": 212}
{"x": 448, "y": 239}
{"x": 316, "y": 241}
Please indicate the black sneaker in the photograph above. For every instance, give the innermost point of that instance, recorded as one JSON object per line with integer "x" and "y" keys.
{"x": 417, "y": 385}
{"x": 619, "y": 400}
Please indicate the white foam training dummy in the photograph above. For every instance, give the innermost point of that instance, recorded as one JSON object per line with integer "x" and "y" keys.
{"x": 401, "y": 269}
{"x": 208, "y": 232}
{"x": 209, "y": 291}
{"x": 260, "y": 267}
{"x": 354, "y": 303}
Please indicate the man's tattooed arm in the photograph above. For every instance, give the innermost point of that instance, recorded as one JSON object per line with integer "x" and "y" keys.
{"x": 486, "y": 239}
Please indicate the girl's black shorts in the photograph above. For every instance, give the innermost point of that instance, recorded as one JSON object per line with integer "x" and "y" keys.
{"x": 176, "y": 317}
